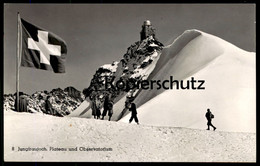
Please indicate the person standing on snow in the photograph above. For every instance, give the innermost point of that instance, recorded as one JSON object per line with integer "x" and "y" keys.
{"x": 209, "y": 117}
{"x": 132, "y": 108}
{"x": 48, "y": 106}
{"x": 23, "y": 103}
{"x": 96, "y": 109}
{"x": 108, "y": 107}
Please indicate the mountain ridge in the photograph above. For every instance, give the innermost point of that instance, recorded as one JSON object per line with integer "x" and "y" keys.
{"x": 63, "y": 101}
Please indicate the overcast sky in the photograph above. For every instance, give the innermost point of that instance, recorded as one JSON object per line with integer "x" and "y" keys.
{"x": 98, "y": 34}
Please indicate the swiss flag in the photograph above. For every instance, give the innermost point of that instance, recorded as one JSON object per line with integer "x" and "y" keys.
{"x": 42, "y": 49}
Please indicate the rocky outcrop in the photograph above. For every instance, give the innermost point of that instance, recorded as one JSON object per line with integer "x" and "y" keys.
{"x": 63, "y": 102}
{"x": 73, "y": 92}
{"x": 9, "y": 102}
{"x": 120, "y": 78}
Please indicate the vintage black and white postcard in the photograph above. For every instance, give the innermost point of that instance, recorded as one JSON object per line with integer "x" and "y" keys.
{"x": 130, "y": 82}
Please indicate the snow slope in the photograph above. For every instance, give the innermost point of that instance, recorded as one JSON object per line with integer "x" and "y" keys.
{"x": 230, "y": 89}
{"x": 82, "y": 111}
{"x": 229, "y": 74}
{"x": 127, "y": 142}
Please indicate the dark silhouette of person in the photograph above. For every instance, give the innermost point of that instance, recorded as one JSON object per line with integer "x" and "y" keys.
{"x": 104, "y": 113}
{"x": 134, "y": 113}
{"x": 108, "y": 107}
{"x": 94, "y": 109}
{"x": 209, "y": 117}
{"x": 98, "y": 113}
{"x": 48, "y": 106}
{"x": 23, "y": 103}
{"x": 110, "y": 110}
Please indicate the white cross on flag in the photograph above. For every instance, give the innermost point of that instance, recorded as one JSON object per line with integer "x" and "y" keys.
{"x": 42, "y": 49}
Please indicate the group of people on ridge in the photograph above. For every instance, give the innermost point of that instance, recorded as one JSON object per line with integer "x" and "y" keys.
{"x": 108, "y": 108}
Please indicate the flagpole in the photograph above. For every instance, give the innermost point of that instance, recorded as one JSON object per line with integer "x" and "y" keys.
{"x": 18, "y": 61}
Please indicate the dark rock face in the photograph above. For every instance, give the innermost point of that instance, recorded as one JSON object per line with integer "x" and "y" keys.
{"x": 9, "y": 101}
{"x": 118, "y": 79}
{"x": 63, "y": 102}
{"x": 73, "y": 92}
